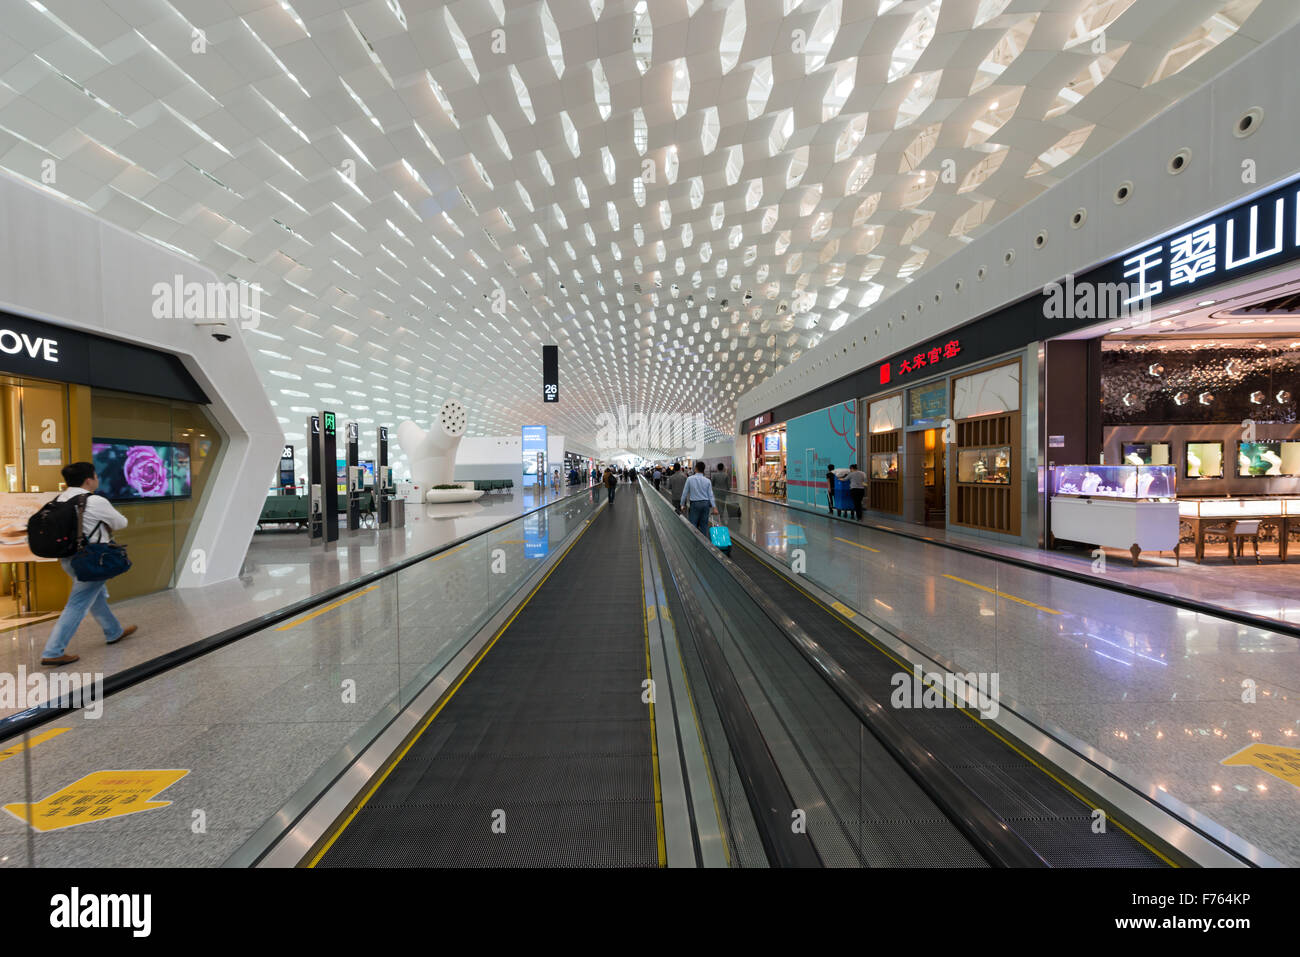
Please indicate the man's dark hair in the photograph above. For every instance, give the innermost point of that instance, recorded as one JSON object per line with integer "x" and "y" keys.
{"x": 78, "y": 473}
{"x": 854, "y": 466}
{"x": 721, "y": 467}
{"x": 699, "y": 466}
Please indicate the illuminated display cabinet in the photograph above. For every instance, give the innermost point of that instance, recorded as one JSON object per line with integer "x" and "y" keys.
{"x": 986, "y": 466}
{"x": 1116, "y": 506}
{"x": 1114, "y": 481}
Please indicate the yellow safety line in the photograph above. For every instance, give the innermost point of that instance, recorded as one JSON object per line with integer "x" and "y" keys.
{"x": 321, "y": 611}
{"x": 446, "y": 698}
{"x": 855, "y": 544}
{"x": 660, "y": 840}
{"x": 451, "y": 551}
{"x": 1002, "y": 594}
{"x": 22, "y": 746}
{"x": 985, "y": 725}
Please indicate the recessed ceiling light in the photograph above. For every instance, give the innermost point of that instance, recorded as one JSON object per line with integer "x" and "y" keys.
{"x": 1207, "y": 302}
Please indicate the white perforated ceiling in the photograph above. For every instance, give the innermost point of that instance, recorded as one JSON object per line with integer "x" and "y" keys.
{"x": 685, "y": 195}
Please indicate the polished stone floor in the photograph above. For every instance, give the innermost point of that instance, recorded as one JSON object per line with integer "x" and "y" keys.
{"x": 280, "y": 569}
{"x": 1270, "y": 589}
{"x": 1163, "y": 695}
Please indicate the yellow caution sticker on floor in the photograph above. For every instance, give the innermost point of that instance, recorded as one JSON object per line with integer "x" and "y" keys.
{"x": 1277, "y": 760}
{"x": 21, "y": 746}
{"x": 97, "y": 797}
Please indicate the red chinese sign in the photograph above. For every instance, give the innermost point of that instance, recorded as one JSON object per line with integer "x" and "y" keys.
{"x": 948, "y": 350}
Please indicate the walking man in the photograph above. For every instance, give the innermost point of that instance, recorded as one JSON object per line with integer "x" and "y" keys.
{"x": 99, "y": 520}
{"x": 697, "y": 495}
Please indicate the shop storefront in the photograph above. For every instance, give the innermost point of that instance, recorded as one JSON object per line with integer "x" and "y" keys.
{"x": 767, "y": 456}
{"x": 136, "y": 414}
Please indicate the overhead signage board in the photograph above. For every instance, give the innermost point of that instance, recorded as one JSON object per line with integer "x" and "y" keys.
{"x": 550, "y": 373}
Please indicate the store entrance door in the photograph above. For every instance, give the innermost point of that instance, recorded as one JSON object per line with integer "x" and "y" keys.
{"x": 933, "y": 478}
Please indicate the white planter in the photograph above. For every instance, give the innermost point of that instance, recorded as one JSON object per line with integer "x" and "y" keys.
{"x": 436, "y": 496}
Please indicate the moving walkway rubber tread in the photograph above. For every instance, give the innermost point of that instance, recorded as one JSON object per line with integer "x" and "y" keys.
{"x": 549, "y": 728}
{"x": 1049, "y": 818}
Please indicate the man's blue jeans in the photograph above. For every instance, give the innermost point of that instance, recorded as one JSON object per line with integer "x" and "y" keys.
{"x": 699, "y": 515}
{"x": 611, "y": 492}
{"x": 86, "y": 596}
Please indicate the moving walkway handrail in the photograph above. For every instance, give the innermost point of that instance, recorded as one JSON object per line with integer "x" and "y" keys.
{"x": 980, "y": 824}
{"x": 1276, "y": 625}
{"x": 23, "y": 721}
{"x": 769, "y": 799}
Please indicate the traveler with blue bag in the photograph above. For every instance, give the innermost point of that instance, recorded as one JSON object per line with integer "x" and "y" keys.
{"x": 77, "y": 528}
{"x": 697, "y": 499}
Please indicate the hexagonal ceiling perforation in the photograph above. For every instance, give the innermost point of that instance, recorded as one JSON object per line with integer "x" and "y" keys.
{"x": 684, "y": 195}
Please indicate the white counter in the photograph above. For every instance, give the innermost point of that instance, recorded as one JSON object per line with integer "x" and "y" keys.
{"x": 1139, "y": 526}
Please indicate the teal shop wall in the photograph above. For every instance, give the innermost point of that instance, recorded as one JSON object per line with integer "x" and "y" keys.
{"x": 814, "y": 441}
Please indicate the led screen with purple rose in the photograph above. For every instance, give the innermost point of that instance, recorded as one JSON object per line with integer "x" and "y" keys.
{"x": 130, "y": 471}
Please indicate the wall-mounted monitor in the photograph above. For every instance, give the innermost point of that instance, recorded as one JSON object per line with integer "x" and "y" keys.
{"x": 1268, "y": 459}
{"x": 1147, "y": 453}
{"x": 1203, "y": 460}
{"x": 134, "y": 471}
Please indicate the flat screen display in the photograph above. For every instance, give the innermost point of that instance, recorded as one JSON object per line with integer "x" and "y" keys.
{"x": 1204, "y": 460}
{"x": 1268, "y": 459}
{"x": 132, "y": 471}
{"x": 1147, "y": 453}
{"x": 772, "y": 442}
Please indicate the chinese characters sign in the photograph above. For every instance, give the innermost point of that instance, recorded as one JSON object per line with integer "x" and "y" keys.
{"x": 921, "y": 360}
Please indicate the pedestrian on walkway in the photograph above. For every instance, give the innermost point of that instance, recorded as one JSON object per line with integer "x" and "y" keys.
{"x": 676, "y": 482}
{"x": 857, "y": 488}
{"x": 697, "y": 496}
{"x": 99, "y": 520}
{"x": 611, "y": 483}
{"x": 830, "y": 489}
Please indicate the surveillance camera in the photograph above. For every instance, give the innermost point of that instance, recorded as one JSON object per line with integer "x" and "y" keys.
{"x": 221, "y": 336}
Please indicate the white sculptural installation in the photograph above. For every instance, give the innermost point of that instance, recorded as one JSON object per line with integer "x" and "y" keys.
{"x": 432, "y": 454}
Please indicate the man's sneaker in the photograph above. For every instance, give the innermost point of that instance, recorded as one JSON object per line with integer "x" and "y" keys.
{"x": 61, "y": 660}
{"x": 127, "y": 632}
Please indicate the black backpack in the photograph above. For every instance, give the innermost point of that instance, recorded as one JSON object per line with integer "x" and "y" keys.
{"x": 55, "y": 531}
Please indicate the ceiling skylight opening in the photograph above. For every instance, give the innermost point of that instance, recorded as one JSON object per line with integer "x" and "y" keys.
{"x": 642, "y": 36}
{"x": 987, "y": 10}
{"x": 917, "y": 36}
{"x": 753, "y": 194}
{"x": 681, "y": 89}
{"x": 600, "y": 87}
{"x": 860, "y": 173}
{"x": 717, "y": 215}
{"x": 1064, "y": 149}
{"x": 850, "y": 137}
{"x": 798, "y": 166}
{"x": 545, "y": 168}
{"x": 760, "y": 88}
{"x": 551, "y": 37}
{"x": 822, "y": 36}
{"x": 638, "y": 192}
{"x": 811, "y": 197}
{"x": 1004, "y": 53}
{"x": 782, "y": 130}
{"x": 733, "y": 36}
{"x": 581, "y": 189}
{"x": 1086, "y": 80}
{"x": 522, "y": 95}
{"x": 1203, "y": 39}
{"x": 395, "y": 9}
{"x": 841, "y": 85}
{"x": 502, "y": 143}
{"x": 441, "y": 98}
{"x": 1094, "y": 18}
{"x": 919, "y": 97}
{"x": 607, "y": 164}
{"x": 570, "y": 134}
